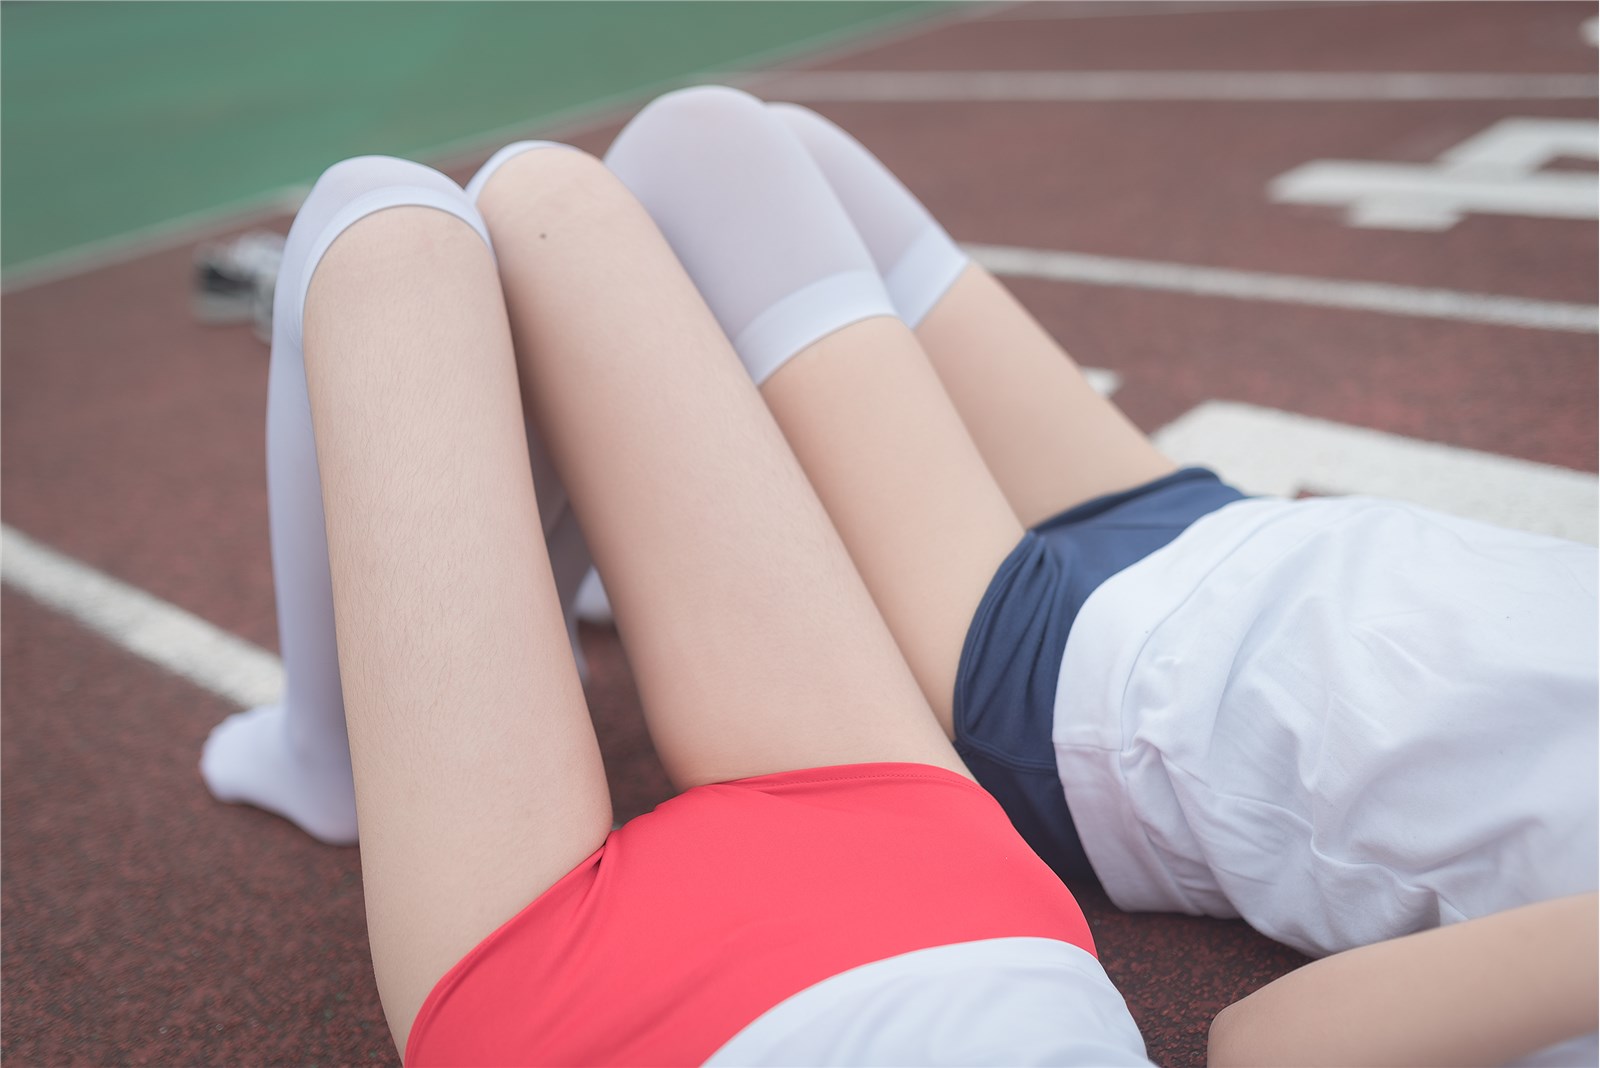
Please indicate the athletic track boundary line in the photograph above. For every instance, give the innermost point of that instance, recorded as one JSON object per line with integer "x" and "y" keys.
{"x": 1383, "y": 297}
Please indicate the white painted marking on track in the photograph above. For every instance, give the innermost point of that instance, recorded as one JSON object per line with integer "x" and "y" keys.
{"x": 1035, "y": 11}
{"x": 1265, "y": 451}
{"x": 1384, "y": 297}
{"x": 592, "y": 604}
{"x": 1104, "y": 382}
{"x": 1590, "y": 30}
{"x": 1520, "y": 146}
{"x": 1495, "y": 172}
{"x": 994, "y": 86}
{"x": 142, "y": 623}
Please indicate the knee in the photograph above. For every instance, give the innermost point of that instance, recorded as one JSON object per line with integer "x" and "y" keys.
{"x": 403, "y": 246}
{"x": 540, "y": 184}
{"x": 701, "y": 111}
{"x": 353, "y": 189}
{"x": 347, "y": 181}
{"x": 815, "y": 132}
{"x": 715, "y": 159}
{"x": 404, "y": 236}
{"x": 344, "y": 198}
{"x": 704, "y": 127}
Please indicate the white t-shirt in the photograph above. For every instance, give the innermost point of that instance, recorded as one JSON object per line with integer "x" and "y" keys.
{"x": 1001, "y": 1001}
{"x": 1343, "y": 719}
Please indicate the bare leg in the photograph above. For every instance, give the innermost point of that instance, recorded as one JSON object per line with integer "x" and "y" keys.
{"x": 293, "y": 757}
{"x": 1050, "y": 440}
{"x": 478, "y": 779}
{"x": 903, "y": 482}
{"x": 781, "y": 266}
{"x": 756, "y": 646}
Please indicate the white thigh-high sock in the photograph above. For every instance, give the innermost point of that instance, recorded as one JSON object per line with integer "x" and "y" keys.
{"x": 752, "y": 219}
{"x": 293, "y": 758}
{"x": 918, "y": 261}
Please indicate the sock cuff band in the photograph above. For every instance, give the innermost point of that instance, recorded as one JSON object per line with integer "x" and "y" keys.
{"x": 924, "y": 273}
{"x": 806, "y": 316}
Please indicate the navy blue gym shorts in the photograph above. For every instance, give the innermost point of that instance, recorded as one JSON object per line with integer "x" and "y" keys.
{"x": 1006, "y": 682}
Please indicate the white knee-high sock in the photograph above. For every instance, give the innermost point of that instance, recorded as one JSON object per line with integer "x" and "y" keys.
{"x": 293, "y": 758}
{"x": 752, "y": 219}
{"x": 918, "y": 261}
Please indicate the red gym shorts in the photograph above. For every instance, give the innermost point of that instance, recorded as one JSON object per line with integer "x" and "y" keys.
{"x": 694, "y": 919}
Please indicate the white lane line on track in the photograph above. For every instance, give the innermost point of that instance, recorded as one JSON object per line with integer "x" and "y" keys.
{"x": 995, "y": 86}
{"x": 1089, "y": 9}
{"x": 1266, "y": 451}
{"x": 1383, "y": 297}
{"x": 141, "y": 623}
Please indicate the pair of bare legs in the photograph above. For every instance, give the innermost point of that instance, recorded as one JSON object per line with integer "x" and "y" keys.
{"x": 756, "y": 645}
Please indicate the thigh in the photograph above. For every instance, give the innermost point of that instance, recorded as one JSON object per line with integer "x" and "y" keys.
{"x": 904, "y": 484}
{"x": 477, "y": 774}
{"x": 755, "y": 644}
{"x": 1050, "y": 440}
{"x": 779, "y": 262}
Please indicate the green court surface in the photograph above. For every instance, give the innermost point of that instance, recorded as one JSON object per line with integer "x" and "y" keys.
{"x": 118, "y": 117}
